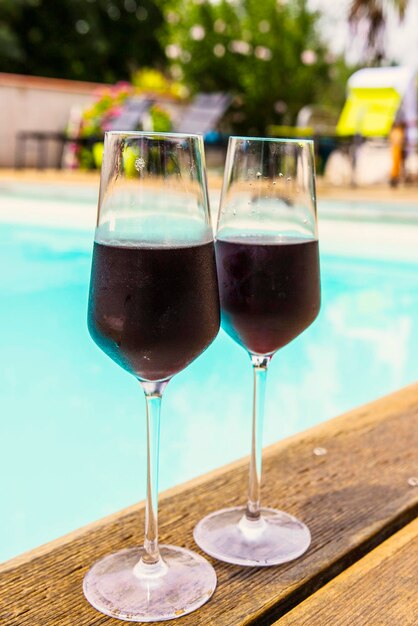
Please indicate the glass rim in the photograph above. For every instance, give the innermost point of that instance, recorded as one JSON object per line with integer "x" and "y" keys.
{"x": 151, "y": 134}
{"x": 308, "y": 142}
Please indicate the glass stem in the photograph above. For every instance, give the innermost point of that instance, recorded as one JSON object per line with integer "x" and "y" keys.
{"x": 260, "y": 364}
{"x": 153, "y": 394}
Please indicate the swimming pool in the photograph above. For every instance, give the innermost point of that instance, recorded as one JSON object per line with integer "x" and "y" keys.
{"x": 72, "y": 423}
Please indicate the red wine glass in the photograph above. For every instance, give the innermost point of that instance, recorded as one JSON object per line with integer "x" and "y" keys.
{"x": 268, "y": 273}
{"x": 153, "y": 309}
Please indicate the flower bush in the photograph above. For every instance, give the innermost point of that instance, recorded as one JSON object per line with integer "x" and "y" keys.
{"x": 108, "y": 104}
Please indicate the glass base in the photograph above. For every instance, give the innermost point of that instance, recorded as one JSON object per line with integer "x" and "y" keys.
{"x": 276, "y": 537}
{"x": 120, "y": 586}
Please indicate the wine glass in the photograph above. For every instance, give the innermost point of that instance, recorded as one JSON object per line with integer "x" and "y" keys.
{"x": 268, "y": 273}
{"x": 153, "y": 308}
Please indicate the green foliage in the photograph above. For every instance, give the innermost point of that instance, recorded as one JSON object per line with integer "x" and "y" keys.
{"x": 96, "y": 40}
{"x": 160, "y": 119}
{"x": 268, "y": 53}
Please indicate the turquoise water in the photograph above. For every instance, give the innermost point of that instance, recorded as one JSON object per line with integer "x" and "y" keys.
{"x": 72, "y": 423}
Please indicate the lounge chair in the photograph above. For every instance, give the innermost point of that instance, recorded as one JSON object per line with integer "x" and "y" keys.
{"x": 203, "y": 113}
{"x": 132, "y": 114}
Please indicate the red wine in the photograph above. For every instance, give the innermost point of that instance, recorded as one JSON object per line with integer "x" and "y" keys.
{"x": 269, "y": 292}
{"x": 153, "y": 310}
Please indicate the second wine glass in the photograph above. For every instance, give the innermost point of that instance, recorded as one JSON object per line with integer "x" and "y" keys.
{"x": 268, "y": 273}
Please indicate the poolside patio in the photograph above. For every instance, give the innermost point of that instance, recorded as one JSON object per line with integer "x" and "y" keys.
{"x": 141, "y": 279}
{"x": 351, "y": 479}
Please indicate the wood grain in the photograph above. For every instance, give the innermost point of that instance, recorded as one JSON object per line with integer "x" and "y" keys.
{"x": 352, "y": 498}
{"x": 379, "y": 590}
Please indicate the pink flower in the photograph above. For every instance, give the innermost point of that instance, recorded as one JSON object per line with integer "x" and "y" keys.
{"x": 114, "y": 111}
{"x": 124, "y": 84}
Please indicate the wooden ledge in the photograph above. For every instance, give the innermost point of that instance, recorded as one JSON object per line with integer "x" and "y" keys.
{"x": 380, "y": 589}
{"x": 352, "y": 498}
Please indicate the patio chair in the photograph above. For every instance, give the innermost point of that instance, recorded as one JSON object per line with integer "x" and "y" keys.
{"x": 203, "y": 113}
{"x": 132, "y": 114}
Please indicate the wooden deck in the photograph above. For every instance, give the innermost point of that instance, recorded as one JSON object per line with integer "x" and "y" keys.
{"x": 357, "y": 499}
{"x": 380, "y": 588}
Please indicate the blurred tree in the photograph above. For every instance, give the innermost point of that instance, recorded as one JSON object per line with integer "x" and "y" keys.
{"x": 374, "y": 14}
{"x": 96, "y": 40}
{"x": 269, "y": 54}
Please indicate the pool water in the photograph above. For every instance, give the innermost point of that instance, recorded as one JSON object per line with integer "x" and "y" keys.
{"x": 72, "y": 426}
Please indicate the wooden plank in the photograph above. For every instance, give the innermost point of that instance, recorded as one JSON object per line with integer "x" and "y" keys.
{"x": 380, "y": 589}
{"x": 352, "y": 498}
